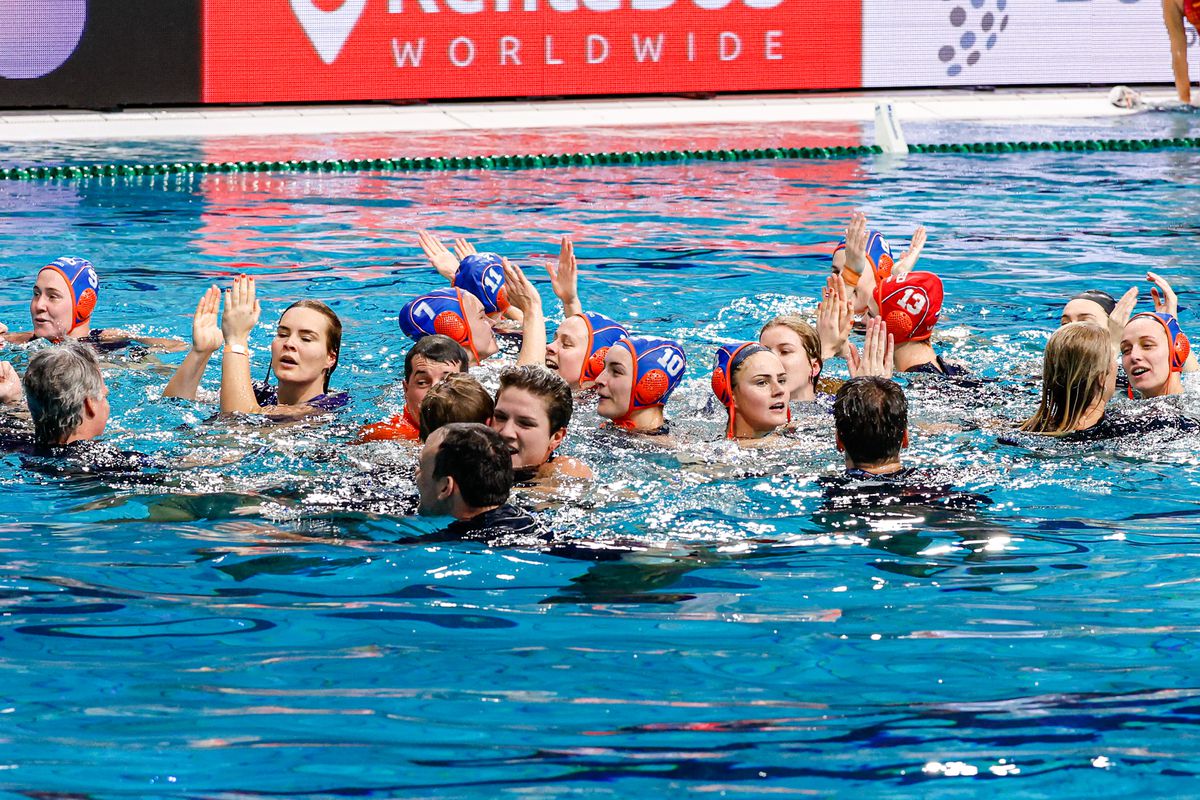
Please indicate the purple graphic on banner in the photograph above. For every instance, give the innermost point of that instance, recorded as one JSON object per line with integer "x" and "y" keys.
{"x": 38, "y": 36}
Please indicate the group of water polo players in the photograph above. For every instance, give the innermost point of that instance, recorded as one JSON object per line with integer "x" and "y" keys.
{"x": 477, "y": 444}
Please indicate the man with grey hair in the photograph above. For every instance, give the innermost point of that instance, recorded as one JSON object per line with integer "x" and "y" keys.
{"x": 66, "y": 394}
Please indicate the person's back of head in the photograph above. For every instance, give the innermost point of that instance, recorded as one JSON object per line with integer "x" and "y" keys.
{"x": 456, "y": 398}
{"x": 64, "y": 388}
{"x": 478, "y": 460}
{"x": 1075, "y": 372}
{"x": 910, "y": 305}
{"x": 439, "y": 348}
{"x": 871, "y": 418}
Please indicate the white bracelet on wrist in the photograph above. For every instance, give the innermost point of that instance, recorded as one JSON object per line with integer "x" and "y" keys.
{"x": 240, "y": 349}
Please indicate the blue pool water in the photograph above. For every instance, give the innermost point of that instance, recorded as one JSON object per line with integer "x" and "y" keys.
{"x": 248, "y": 630}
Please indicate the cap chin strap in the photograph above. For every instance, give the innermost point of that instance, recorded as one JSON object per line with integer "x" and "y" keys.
{"x": 625, "y": 423}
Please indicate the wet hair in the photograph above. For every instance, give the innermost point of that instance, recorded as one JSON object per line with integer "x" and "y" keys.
{"x": 871, "y": 417}
{"x": 333, "y": 336}
{"x": 1102, "y": 299}
{"x": 543, "y": 383}
{"x": 808, "y": 337}
{"x": 456, "y": 398}
{"x": 56, "y": 383}
{"x": 1077, "y": 358}
{"x": 439, "y": 348}
{"x": 479, "y": 460}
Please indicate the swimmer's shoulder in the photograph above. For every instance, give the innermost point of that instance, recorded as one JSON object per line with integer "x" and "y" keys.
{"x": 116, "y": 339}
{"x": 503, "y": 526}
{"x": 570, "y": 468}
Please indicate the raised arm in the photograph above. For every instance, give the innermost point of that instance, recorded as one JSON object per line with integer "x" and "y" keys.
{"x": 524, "y": 295}
{"x": 445, "y": 262}
{"x": 1167, "y": 302}
{"x": 1173, "y": 19}
{"x": 1119, "y": 317}
{"x": 835, "y": 319}
{"x": 908, "y": 260}
{"x": 241, "y": 315}
{"x": 564, "y": 278}
{"x": 206, "y": 340}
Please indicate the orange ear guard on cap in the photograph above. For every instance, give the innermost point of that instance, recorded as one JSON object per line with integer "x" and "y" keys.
{"x": 658, "y": 367}
{"x": 594, "y": 365}
{"x": 439, "y": 311}
{"x": 649, "y": 389}
{"x": 83, "y": 284}
{"x": 454, "y": 325}
{"x": 729, "y": 358}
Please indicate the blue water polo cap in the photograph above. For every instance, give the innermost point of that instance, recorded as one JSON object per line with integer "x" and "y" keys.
{"x": 482, "y": 275}
{"x": 83, "y": 283}
{"x": 729, "y": 358}
{"x": 879, "y": 256}
{"x": 658, "y": 367}
{"x": 438, "y": 311}
{"x": 603, "y": 333}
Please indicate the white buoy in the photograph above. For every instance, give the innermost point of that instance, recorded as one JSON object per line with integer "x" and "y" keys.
{"x": 888, "y": 133}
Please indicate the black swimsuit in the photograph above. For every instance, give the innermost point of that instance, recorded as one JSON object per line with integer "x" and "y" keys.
{"x": 503, "y": 526}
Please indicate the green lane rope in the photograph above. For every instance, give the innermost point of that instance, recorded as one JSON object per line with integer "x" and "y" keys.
{"x": 514, "y": 162}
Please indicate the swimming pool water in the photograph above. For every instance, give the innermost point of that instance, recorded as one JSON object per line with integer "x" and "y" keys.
{"x": 249, "y": 630}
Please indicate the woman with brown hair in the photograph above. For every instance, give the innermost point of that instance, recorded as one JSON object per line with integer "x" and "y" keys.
{"x": 304, "y": 355}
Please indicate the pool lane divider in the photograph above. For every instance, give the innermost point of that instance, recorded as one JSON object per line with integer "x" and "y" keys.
{"x": 516, "y": 162}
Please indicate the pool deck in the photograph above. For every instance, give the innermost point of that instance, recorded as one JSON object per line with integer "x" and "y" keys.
{"x": 910, "y": 105}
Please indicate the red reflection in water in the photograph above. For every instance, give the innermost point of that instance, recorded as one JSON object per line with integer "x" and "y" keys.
{"x": 332, "y": 219}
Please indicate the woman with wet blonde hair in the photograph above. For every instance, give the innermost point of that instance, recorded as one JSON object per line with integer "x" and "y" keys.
{"x": 1079, "y": 376}
{"x": 799, "y": 348}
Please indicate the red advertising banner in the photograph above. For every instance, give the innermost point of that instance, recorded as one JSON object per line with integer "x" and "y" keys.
{"x": 307, "y": 50}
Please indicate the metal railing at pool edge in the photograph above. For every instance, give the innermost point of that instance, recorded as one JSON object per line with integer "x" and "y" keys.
{"x": 516, "y": 162}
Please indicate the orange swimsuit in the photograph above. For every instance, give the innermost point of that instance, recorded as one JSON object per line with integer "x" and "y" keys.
{"x": 1191, "y": 10}
{"x": 401, "y": 426}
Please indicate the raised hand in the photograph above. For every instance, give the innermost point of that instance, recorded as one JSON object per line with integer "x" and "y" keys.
{"x": 1165, "y": 300}
{"x": 242, "y": 310}
{"x": 877, "y": 353}
{"x": 564, "y": 278}
{"x": 856, "y": 243}
{"x": 1119, "y": 317}
{"x": 463, "y": 248}
{"x": 11, "y": 391}
{"x": 908, "y": 259}
{"x": 835, "y": 318}
{"x": 445, "y": 262}
{"x": 206, "y": 329}
{"x": 521, "y": 293}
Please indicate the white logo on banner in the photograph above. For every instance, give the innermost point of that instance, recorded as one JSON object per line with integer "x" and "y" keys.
{"x": 328, "y": 30}
{"x": 998, "y": 42}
